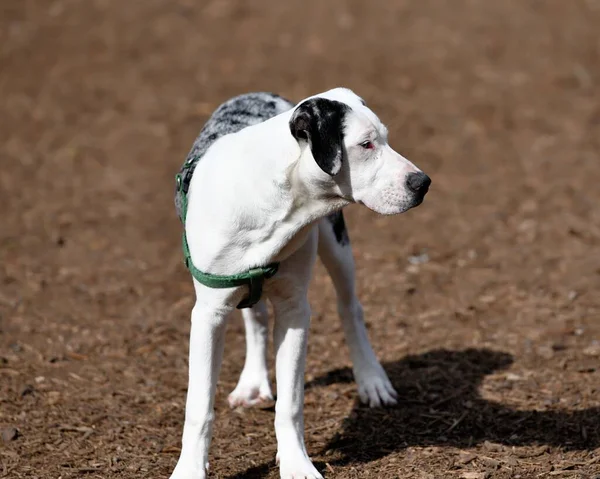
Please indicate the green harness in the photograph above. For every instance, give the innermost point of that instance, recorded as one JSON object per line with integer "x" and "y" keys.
{"x": 253, "y": 278}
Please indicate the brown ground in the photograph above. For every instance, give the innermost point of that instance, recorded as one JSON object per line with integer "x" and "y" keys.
{"x": 493, "y": 344}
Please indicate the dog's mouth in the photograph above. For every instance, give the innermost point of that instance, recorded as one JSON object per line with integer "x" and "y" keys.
{"x": 417, "y": 200}
{"x": 379, "y": 204}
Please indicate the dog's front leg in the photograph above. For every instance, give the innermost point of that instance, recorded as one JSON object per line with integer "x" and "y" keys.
{"x": 206, "y": 352}
{"x": 374, "y": 386}
{"x": 292, "y": 319}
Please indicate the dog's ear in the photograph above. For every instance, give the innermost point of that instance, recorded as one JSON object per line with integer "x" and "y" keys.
{"x": 320, "y": 122}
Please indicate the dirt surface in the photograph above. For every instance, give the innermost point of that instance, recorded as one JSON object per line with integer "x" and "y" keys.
{"x": 483, "y": 303}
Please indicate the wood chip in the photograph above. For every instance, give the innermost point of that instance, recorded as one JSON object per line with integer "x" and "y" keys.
{"x": 466, "y": 457}
{"x": 10, "y": 434}
{"x": 534, "y": 452}
{"x": 473, "y": 475}
{"x": 492, "y": 447}
{"x": 76, "y": 356}
{"x": 170, "y": 450}
{"x": 489, "y": 461}
{"x": 83, "y": 429}
{"x": 593, "y": 350}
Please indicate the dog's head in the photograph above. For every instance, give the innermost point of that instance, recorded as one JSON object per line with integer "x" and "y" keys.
{"x": 348, "y": 142}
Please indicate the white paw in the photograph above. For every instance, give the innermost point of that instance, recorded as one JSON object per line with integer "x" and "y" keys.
{"x": 374, "y": 387}
{"x": 198, "y": 475}
{"x": 297, "y": 466}
{"x": 250, "y": 392}
{"x": 190, "y": 472}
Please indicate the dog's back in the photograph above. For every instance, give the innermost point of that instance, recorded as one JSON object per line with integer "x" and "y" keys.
{"x": 236, "y": 114}
{"x": 232, "y": 116}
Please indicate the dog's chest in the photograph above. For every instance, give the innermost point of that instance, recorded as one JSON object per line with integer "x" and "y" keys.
{"x": 296, "y": 242}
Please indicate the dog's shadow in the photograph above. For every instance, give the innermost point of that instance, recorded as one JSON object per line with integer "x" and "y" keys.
{"x": 440, "y": 403}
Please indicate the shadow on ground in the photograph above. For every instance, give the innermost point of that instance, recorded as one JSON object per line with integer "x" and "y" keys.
{"x": 440, "y": 404}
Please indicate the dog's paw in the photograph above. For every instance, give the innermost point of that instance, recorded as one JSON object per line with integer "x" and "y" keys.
{"x": 297, "y": 466}
{"x": 375, "y": 388}
{"x": 250, "y": 392}
{"x": 197, "y": 475}
{"x": 182, "y": 472}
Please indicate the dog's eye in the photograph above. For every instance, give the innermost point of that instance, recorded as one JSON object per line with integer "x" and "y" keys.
{"x": 368, "y": 145}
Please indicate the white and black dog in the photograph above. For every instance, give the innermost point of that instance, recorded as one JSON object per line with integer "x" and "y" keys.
{"x": 270, "y": 187}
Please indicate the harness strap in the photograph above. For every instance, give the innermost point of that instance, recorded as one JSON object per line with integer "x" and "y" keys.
{"x": 253, "y": 278}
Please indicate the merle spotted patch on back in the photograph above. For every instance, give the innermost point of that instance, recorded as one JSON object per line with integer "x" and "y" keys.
{"x": 235, "y": 115}
{"x": 232, "y": 116}
{"x": 339, "y": 227}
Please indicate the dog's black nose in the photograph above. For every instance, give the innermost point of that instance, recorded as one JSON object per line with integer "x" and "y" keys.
{"x": 418, "y": 183}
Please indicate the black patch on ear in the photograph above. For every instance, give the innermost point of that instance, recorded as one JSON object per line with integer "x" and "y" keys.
{"x": 321, "y": 122}
{"x": 339, "y": 227}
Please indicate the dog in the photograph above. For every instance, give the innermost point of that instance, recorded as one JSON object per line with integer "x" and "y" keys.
{"x": 269, "y": 186}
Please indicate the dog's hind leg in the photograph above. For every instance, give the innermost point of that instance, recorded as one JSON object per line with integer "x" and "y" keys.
{"x": 374, "y": 387}
{"x": 253, "y": 386}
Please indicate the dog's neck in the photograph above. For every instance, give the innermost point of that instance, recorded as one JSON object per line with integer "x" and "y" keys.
{"x": 252, "y": 206}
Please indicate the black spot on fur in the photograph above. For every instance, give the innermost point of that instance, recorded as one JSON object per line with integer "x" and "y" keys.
{"x": 321, "y": 122}
{"x": 339, "y": 227}
{"x": 238, "y": 113}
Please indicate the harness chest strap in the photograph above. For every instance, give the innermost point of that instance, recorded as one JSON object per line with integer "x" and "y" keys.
{"x": 253, "y": 278}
